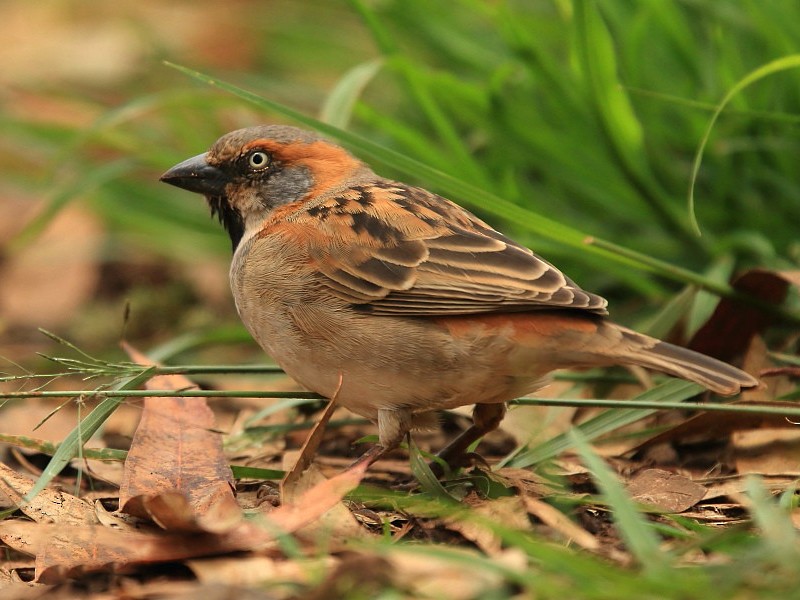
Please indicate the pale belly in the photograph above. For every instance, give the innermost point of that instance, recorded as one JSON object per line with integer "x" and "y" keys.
{"x": 395, "y": 364}
{"x": 369, "y": 362}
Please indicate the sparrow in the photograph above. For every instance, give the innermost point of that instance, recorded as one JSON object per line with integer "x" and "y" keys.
{"x": 397, "y": 301}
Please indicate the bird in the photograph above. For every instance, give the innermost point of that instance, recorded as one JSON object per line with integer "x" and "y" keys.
{"x": 399, "y": 302}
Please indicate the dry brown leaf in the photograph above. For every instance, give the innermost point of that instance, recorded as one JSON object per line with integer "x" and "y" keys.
{"x": 526, "y": 481}
{"x": 172, "y": 511}
{"x": 308, "y": 451}
{"x": 11, "y": 536}
{"x": 569, "y": 465}
{"x": 312, "y": 499}
{"x": 176, "y": 453}
{"x": 62, "y": 551}
{"x": 734, "y": 485}
{"x": 727, "y": 513}
{"x": 257, "y": 570}
{"x": 728, "y": 332}
{"x": 756, "y": 360}
{"x": 558, "y": 521}
{"x": 508, "y": 510}
{"x": 427, "y": 576}
{"x": 768, "y": 451}
{"x": 715, "y": 425}
{"x": 13, "y": 588}
{"x": 666, "y": 491}
{"x": 773, "y": 448}
{"x": 49, "y": 506}
{"x": 117, "y": 520}
{"x": 107, "y": 471}
{"x": 303, "y": 478}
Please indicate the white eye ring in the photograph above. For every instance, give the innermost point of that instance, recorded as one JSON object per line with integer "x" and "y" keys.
{"x": 258, "y": 161}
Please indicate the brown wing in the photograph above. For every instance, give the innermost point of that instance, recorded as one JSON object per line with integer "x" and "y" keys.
{"x": 393, "y": 249}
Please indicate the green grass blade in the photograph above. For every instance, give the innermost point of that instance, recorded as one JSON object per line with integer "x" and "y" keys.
{"x": 240, "y": 472}
{"x": 69, "y": 448}
{"x": 470, "y": 194}
{"x": 776, "y": 66}
{"x": 597, "y": 56}
{"x": 489, "y": 202}
{"x": 674, "y": 390}
{"x": 276, "y": 408}
{"x": 424, "y": 475}
{"x": 620, "y": 124}
{"x": 639, "y": 537}
{"x": 779, "y": 535}
{"x": 338, "y": 107}
{"x": 414, "y": 80}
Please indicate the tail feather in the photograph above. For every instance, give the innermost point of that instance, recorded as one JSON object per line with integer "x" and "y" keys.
{"x": 711, "y": 373}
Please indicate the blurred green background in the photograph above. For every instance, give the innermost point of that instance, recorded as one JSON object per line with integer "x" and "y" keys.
{"x": 586, "y": 112}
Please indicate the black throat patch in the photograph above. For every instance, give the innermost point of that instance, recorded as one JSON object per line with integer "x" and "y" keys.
{"x": 229, "y": 217}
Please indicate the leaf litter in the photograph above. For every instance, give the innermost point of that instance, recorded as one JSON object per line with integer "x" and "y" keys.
{"x": 326, "y": 528}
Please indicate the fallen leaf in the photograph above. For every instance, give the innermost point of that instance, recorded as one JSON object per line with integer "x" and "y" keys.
{"x": 304, "y": 478}
{"x": 734, "y": 485}
{"x": 312, "y": 497}
{"x": 768, "y": 451}
{"x": 728, "y": 332}
{"x": 666, "y": 491}
{"x": 557, "y": 520}
{"x": 49, "y": 506}
{"x": 63, "y": 551}
{"x": 117, "y": 520}
{"x": 526, "y": 481}
{"x": 309, "y": 449}
{"x": 762, "y": 443}
{"x": 475, "y": 526}
{"x": 428, "y": 576}
{"x": 13, "y": 588}
{"x": 259, "y": 570}
{"x": 727, "y": 513}
{"x": 176, "y": 472}
{"x": 715, "y": 425}
{"x": 107, "y": 471}
{"x": 774, "y": 447}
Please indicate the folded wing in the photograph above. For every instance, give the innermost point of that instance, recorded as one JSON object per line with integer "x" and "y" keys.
{"x": 392, "y": 249}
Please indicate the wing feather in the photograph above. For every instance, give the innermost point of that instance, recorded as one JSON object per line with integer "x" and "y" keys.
{"x": 393, "y": 249}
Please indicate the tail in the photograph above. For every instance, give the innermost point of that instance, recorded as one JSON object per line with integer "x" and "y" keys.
{"x": 709, "y": 372}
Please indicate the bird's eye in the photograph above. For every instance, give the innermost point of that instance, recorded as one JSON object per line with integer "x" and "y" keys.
{"x": 258, "y": 160}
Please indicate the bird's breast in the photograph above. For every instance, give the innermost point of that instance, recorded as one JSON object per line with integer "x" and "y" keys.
{"x": 368, "y": 361}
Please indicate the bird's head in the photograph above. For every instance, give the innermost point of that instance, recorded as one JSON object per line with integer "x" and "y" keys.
{"x": 249, "y": 172}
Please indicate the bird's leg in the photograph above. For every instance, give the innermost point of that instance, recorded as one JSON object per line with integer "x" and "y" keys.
{"x": 485, "y": 418}
{"x": 393, "y": 425}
